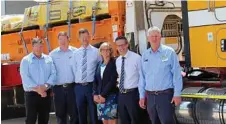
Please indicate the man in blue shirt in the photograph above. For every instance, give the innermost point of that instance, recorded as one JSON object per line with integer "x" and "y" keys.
{"x": 38, "y": 73}
{"x": 64, "y": 96}
{"x": 84, "y": 64}
{"x": 160, "y": 79}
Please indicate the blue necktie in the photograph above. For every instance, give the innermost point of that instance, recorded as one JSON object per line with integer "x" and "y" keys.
{"x": 122, "y": 78}
{"x": 84, "y": 66}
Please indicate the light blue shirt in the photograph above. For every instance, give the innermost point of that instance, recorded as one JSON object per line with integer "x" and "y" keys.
{"x": 160, "y": 70}
{"x": 37, "y": 71}
{"x": 92, "y": 60}
{"x": 61, "y": 60}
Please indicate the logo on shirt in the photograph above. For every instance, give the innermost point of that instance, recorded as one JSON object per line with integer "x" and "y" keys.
{"x": 164, "y": 58}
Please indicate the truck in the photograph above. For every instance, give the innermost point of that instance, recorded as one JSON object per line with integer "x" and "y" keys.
{"x": 196, "y": 30}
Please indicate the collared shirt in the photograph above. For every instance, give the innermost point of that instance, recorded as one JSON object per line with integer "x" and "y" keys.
{"x": 37, "y": 71}
{"x": 62, "y": 59}
{"x": 102, "y": 68}
{"x": 132, "y": 67}
{"x": 160, "y": 70}
{"x": 92, "y": 60}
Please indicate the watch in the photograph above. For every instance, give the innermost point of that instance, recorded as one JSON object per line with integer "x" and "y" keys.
{"x": 47, "y": 86}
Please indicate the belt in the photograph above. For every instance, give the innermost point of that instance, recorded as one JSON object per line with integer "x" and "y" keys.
{"x": 65, "y": 85}
{"x": 128, "y": 90}
{"x": 161, "y": 91}
{"x": 83, "y": 84}
{"x": 33, "y": 92}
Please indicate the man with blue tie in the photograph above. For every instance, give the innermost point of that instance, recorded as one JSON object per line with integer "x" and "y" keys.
{"x": 128, "y": 66}
{"x": 84, "y": 64}
{"x": 160, "y": 80}
{"x": 64, "y": 96}
{"x": 38, "y": 73}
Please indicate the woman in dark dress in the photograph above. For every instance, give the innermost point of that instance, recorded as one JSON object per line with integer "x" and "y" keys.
{"x": 105, "y": 86}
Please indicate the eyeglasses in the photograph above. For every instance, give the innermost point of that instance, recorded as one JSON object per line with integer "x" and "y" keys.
{"x": 122, "y": 45}
{"x": 154, "y": 36}
{"x": 105, "y": 49}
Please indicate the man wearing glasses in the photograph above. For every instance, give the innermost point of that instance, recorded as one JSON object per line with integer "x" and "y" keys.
{"x": 128, "y": 66}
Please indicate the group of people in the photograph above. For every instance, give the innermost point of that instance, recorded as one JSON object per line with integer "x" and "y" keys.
{"x": 91, "y": 82}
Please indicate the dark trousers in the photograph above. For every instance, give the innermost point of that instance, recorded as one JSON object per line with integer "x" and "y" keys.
{"x": 160, "y": 108}
{"x": 37, "y": 106}
{"x": 65, "y": 104}
{"x": 84, "y": 97}
{"x": 129, "y": 109}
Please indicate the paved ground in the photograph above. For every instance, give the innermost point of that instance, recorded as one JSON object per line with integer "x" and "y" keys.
{"x": 21, "y": 120}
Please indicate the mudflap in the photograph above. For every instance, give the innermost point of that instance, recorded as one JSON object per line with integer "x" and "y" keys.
{"x": 8, "y": 109}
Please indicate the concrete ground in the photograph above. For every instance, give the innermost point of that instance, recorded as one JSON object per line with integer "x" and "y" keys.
{"x": 21, "y": 120}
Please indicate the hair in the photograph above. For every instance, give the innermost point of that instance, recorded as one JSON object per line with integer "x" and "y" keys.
{"x": 109, "y": 46}
{"x": 36, "y": 41}
{"x": 82, "y": 31}
{"x": 121, "y": 38}
{"x": 62, "y": 33}
{"x": 152, "y": 29}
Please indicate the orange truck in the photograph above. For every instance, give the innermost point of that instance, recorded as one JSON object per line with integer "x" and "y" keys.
{"x": 195, "y": 29}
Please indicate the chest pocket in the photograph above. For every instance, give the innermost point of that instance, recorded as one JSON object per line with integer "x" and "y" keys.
{"x": 57, "y": 60}
{"x": 69, "y": 57}
{"x": 92, "y": 58}
{"x": 146, "y": 65}
{"x": 165, "y": 63}
{"x": 33, "y": 66}
{"x": 47, "y": 66}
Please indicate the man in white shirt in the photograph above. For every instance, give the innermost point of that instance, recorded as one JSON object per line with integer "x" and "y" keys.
{"x": 128, "y": 66}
